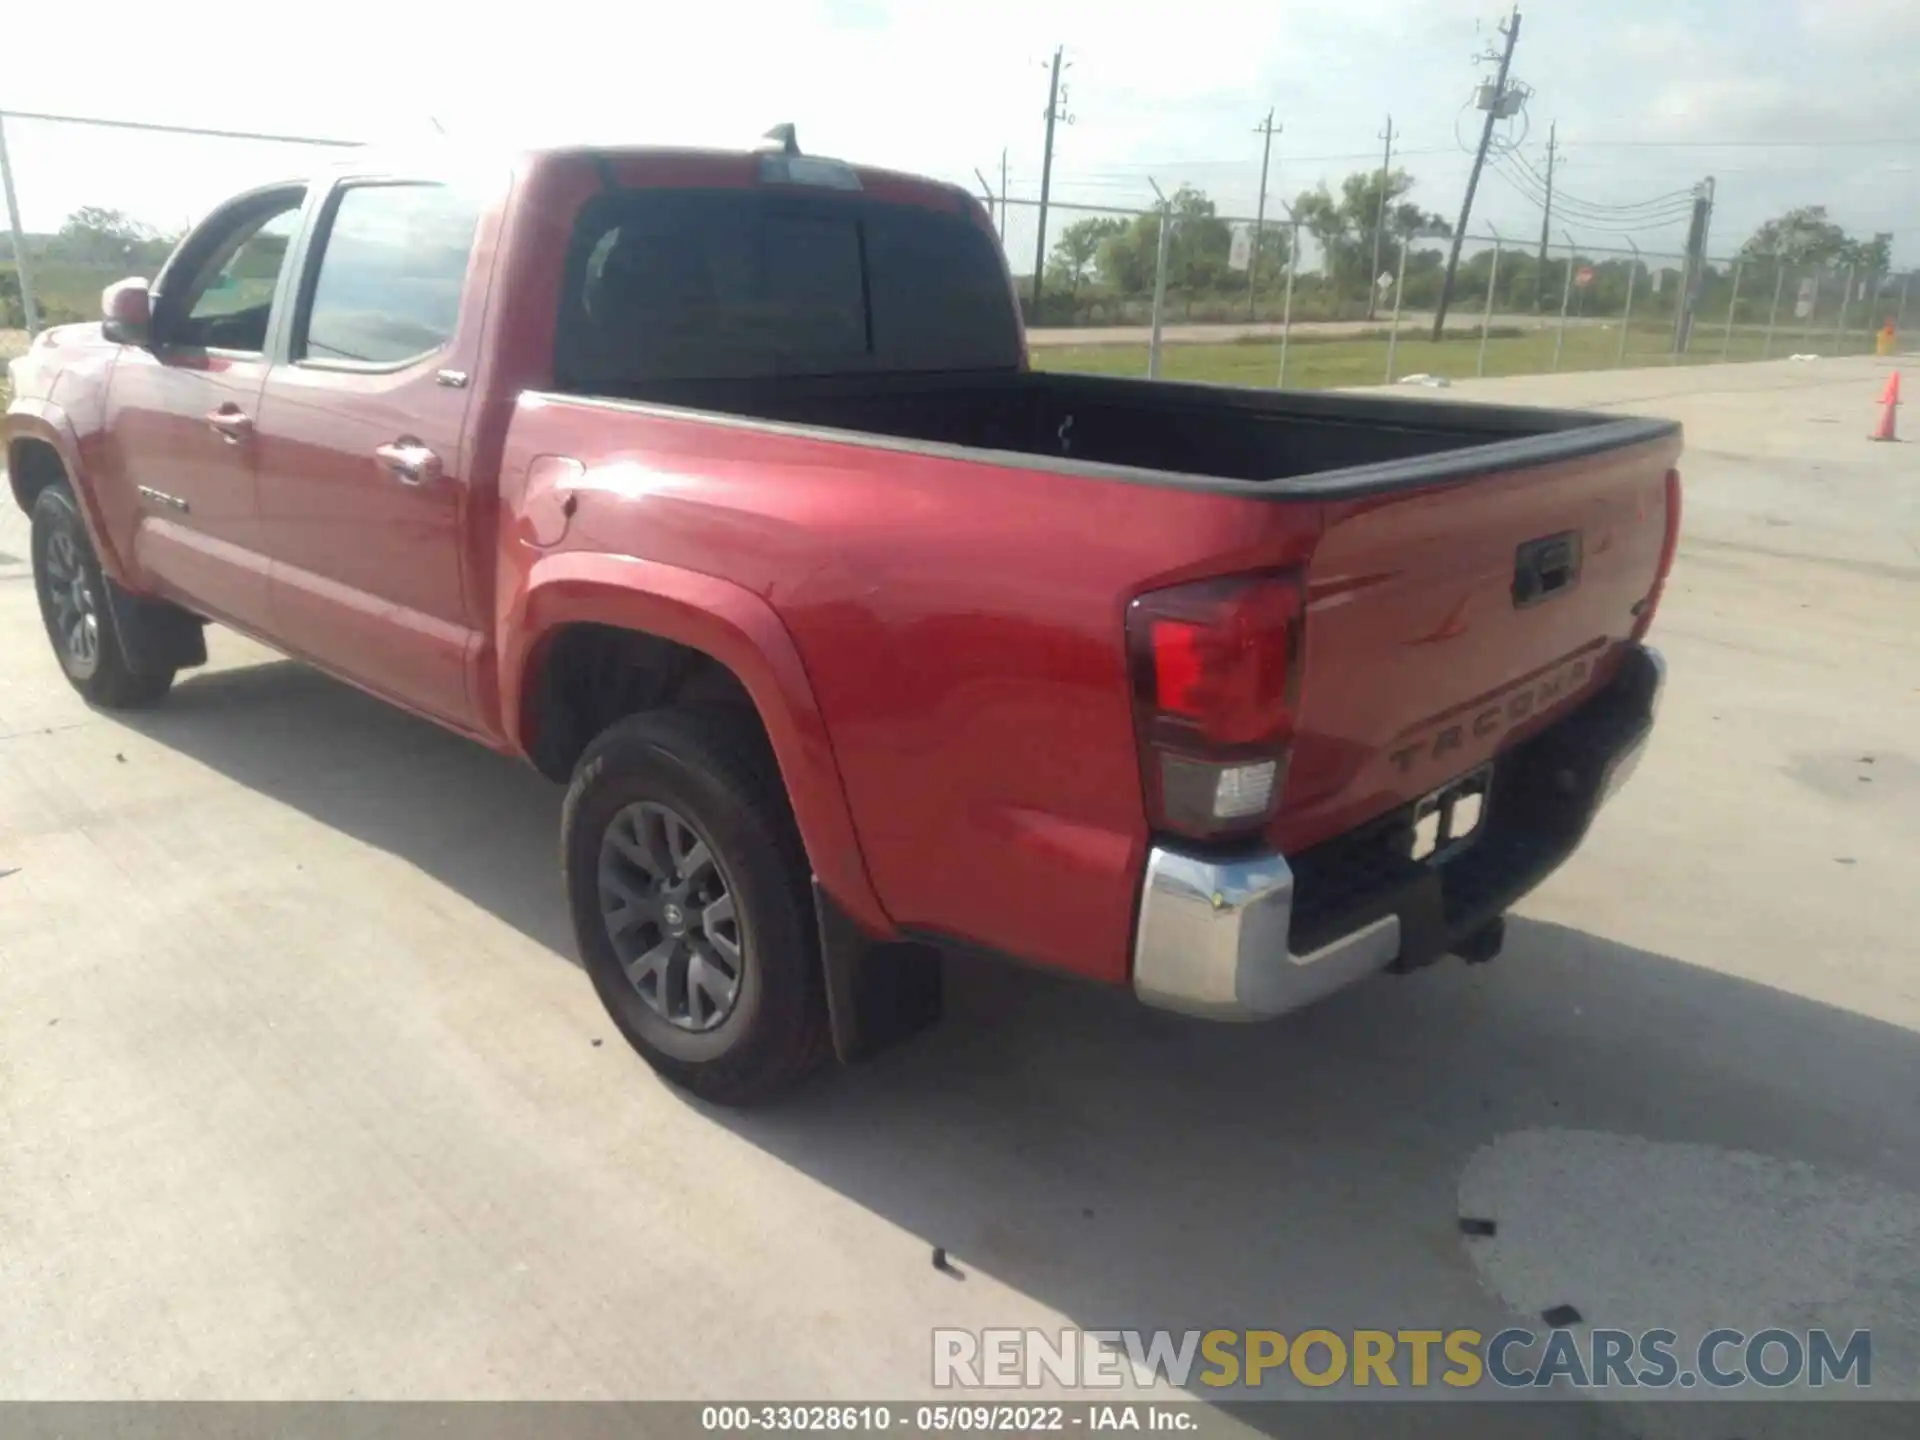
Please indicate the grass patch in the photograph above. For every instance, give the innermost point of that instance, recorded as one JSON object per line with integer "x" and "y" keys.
{"x": 1324, "y": 363}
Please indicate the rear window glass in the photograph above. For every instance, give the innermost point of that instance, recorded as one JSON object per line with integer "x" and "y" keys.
{"x": 741, "y": 284}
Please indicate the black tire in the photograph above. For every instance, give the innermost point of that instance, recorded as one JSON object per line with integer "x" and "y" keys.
{"x": 713, "y": 774}
{"x": 74, "y": 602}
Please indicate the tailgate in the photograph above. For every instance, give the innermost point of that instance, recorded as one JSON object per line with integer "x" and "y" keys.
{"x": 1445, "y": 624}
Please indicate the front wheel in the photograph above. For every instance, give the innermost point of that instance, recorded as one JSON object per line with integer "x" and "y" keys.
{"x": 74, "y": 606}
{"x": 689, "y": 894}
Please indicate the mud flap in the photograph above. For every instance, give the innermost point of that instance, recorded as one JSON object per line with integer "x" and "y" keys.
{"x": 154, "y": 635}
{"x": 878, "y": 993}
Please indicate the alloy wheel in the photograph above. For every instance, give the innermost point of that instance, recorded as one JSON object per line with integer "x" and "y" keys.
{"x": 669, "y": 910}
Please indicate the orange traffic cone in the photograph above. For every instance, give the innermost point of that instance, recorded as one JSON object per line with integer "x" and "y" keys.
{"x": 1889, "y": 402}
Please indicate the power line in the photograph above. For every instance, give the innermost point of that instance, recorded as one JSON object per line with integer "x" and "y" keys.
{"x": 1531, "y": 190}
{"x": 1627, "y": 226}
{"x": 1574, "y": 202}
{"x": 1624, "y": 226}
{"x": 1529, "y": 185}
{"x": 1131, "y": 167}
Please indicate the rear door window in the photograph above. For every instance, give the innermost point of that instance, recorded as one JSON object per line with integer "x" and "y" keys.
{"x": 392, "y": 263}
{"x": 694, "y": 284}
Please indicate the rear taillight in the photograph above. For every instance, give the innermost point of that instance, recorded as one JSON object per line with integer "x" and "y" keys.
{"x": 1216, "y": 679}
{"x": 1669, "y": 547}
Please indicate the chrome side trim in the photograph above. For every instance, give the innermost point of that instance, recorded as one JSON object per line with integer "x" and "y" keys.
{"x": 160, "y": 497}
{"x": 1212, "y": 940}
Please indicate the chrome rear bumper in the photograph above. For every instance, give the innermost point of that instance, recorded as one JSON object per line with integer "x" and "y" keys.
{"x": 1213, "y": 940}
{"x": 1213, "y": 935}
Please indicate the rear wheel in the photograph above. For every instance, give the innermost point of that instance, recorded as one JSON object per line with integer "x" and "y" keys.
{"x": 690, "y": 903}
{"x": 74, "y": 606}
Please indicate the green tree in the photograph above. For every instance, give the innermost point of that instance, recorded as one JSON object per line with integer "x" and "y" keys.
{"x": 1343, "y": 226}
{"x": 93, "y": 235}
{"x": 1870, "y": 257}
{"x": 1127, "y": 255}
{"x": 1078, "y": 247}
{"x": 1200, "y": 251}
{"x": 1802, "y": 236}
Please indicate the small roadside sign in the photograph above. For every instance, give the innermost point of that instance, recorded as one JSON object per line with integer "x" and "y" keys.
{"x": 1384, "y": 280}
{"x": 1803, "y": 307}
{"x": 1240, "y": 257}
{"x": 1583, "y": 277}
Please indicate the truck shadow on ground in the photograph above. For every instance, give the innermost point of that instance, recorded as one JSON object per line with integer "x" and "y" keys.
{"x": 1127, "y": 1168}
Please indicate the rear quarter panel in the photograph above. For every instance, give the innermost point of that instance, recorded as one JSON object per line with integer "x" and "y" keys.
{"x": 959, "y": 623}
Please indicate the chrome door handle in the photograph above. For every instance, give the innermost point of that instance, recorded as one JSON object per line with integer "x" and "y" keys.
{"x": 231, "y": 425}
{"x": 408, "y": 461}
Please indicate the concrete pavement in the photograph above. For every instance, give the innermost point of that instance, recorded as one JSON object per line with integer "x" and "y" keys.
{"x": 303, "y": 1095}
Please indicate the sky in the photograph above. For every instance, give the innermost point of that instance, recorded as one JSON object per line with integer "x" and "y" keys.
{"x": 1783, "y": 102}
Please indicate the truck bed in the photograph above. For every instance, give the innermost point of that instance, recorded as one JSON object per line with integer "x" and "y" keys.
{"x": 1293, "y": 442}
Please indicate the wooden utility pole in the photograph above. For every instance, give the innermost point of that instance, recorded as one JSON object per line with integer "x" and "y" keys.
{"x": 1546, "y": 220}
{"x": 1511, "y": 29}
{"x": 1380, "y": 219}
{"x": 1046, "y": 185}
{"x": 1265, "y": 127}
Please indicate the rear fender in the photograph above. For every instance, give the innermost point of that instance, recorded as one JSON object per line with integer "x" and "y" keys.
{"x": 731, "y": 625}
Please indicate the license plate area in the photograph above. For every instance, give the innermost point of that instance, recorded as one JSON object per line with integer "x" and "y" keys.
{"x": 1449, "y": 818}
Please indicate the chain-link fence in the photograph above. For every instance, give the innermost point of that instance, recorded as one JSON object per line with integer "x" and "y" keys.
{"x": 1271, "y": 300}
{"x": 1253, "y": 299}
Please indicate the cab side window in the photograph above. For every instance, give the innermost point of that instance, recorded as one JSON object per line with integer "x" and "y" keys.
{"x": 230, "y": 295}
{"x": 392, "y": 263}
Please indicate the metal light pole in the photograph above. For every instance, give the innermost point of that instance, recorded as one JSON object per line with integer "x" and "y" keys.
{"x": 1399, "y": 288}
{"x": 1626, "y": 322}
{"x": 1566, "y": 298}
{"x": 1286, "y": 308}
{"x": 1486, "y": 315}
{"x": 28, "y": 310}
{"x": 1779, "y": 284}
{"x": 1840, "y": 326}
{"x": 1726, "y": 340}
{"x": 993, "y": 213}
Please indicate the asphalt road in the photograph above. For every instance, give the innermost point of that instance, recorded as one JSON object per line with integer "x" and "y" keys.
{"x": 302, "y": 1094}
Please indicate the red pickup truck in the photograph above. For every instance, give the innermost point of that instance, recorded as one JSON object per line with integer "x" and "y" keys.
{"x": 719, "y": 486}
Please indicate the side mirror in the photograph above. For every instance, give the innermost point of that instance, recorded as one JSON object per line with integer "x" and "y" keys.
{"x": 126, "y": 314}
